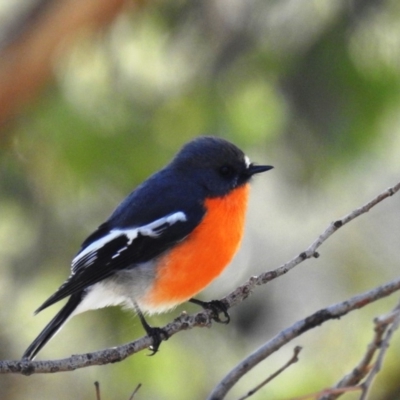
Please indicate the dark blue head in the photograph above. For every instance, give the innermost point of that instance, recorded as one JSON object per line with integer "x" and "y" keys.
{"x": 215, "y": 164}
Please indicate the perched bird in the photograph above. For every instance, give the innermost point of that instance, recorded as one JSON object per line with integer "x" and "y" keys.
{"x": 165, "y": 242}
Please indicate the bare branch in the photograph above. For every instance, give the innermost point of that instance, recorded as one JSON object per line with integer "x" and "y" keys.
{"x": 242, "y": 292}
{"x": 292, "y": 360}
{"x": 135, "y": 391}
{"x": 366, "y": 386}
{"x": 333, "y": 312}
{"x": 203, "y": 319}
{"x": 107, "y": 356}
{"x": 382, "y": 323}
{"x": 97, "y": 388}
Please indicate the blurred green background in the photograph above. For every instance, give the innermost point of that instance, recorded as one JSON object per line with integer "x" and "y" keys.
{"x": 311, "y": 87}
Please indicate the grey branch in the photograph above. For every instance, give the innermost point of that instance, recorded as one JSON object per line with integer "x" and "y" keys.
{"x": 366, "y": 386}
{"x": 293, "y": 359}
{"x": 379, "y": 341}
{"x": 333, "y": 312}
{"x": 203, "y": 319}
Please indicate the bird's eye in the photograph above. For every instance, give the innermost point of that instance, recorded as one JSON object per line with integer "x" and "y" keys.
{"x": 226, "y": 171}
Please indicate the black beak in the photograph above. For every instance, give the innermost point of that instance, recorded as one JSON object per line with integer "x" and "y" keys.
{"x": 256, "y": 169}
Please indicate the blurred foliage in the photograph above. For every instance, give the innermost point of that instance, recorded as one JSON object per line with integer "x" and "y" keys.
{"x": 311, "y": 87}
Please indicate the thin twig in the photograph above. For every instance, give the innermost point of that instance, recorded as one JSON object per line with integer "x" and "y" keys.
{"x": 135, "y": 391}
{"x": 242, "y": 292}
{"x": 185, "y": 322}
{"x": 97, "y": 388}
{"x": 367, "y": 384}
{"x": 292, "y": 360}
{"x": 358, "y": 373}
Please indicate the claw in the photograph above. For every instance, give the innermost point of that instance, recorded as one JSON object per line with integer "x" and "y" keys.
{"x": 158, "y": 335}
{"x": 217, "y": 307}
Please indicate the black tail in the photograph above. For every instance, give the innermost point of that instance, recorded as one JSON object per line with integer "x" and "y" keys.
{"x": 53, "y": 326}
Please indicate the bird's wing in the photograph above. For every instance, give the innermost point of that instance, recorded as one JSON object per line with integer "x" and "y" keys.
{"x": 121, "y": 248}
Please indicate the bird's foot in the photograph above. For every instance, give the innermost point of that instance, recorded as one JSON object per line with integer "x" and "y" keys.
{"x": 158, "y": 335}
{"x": 217, "y": 307}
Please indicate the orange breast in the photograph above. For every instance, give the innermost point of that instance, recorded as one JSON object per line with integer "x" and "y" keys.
{"x": 203, "y": 255}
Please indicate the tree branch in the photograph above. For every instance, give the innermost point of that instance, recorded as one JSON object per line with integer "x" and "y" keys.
{"x": 242, "y": 292}
{"x": 293, "y": 359}
{"x": 203, "y": 319}
{"x": 333, "y": 312}
{"x": 382, "y": 324}
{"x": 384, "y": 345}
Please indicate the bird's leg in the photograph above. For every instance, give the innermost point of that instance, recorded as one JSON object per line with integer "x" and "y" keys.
{"x": 157, "y": 334}
{"x": 217, "y": 307}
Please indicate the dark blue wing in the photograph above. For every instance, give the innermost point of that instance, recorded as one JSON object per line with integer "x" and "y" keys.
{"x": 120, "y": 249}
{"x": 158, "y": 214}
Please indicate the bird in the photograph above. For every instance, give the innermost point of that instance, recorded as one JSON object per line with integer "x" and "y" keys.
{"x": 167, "y": 240}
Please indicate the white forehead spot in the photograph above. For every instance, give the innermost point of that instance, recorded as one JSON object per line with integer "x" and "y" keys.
{"x": 247, "y": 161}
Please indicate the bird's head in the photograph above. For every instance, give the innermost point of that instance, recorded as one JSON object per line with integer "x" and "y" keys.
{"x": 216, "y": 164}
